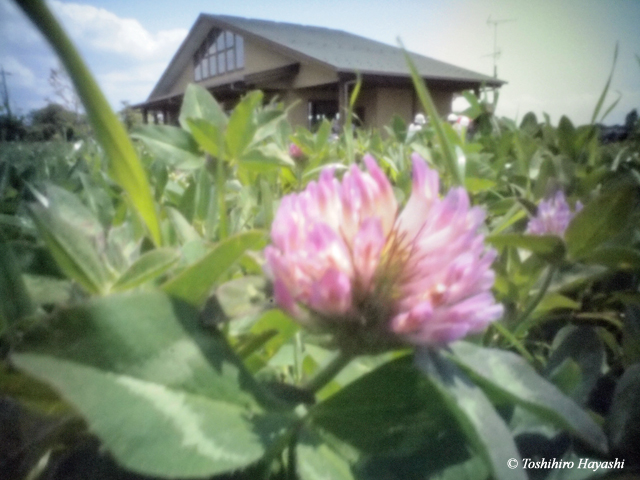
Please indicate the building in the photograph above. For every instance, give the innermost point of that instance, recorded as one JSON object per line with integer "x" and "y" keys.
{"x": 312, "y": 66}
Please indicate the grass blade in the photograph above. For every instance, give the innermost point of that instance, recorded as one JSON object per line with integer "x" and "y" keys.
{"x": 606, "y": 87}
{"x": 124, "y": 165}
{"x": 448, "y": 151}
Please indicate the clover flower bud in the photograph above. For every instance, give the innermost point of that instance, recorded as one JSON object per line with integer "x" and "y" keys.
{"x": 295, "y": 152}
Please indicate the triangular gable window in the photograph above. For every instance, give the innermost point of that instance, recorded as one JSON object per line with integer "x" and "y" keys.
{"x": 220, "y": 53}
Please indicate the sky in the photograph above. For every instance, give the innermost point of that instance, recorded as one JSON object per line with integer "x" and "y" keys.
{"x": 556, "y": 55}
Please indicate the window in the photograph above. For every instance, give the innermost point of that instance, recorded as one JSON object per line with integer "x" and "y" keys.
{"x": 221, "y": 52}
{"x": 320, "y": 110}
{"x": 213, "y": 67}
{"x": 231, "y": 57}
{"x": 239, "y": 52}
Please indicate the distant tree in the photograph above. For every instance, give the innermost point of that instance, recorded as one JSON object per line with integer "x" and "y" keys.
{"x": 631, "y": 120}
{"x": 52, "y": 122}
{"x": 130, "y": 116}
{"x": 64, "y": 91}
{"x": 12, "y": 128}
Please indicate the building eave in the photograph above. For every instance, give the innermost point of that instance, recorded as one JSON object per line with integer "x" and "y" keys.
{"x": 183, "y": 59}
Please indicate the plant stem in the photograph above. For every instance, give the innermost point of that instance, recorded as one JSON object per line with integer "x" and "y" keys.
{"x": 221, "y": 181}
{"x": 514, "y": 341}
{"x": 535, "y": 300}
{"x": 267, "y": 201}
{"x": 325, "y": 374}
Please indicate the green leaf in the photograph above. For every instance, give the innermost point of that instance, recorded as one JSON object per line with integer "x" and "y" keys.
{"x": 548, "y": 247}
{"x": 631, "y": 332}
{"x": 475, "y": 107}
{"x": 171, "y": 145}
{"x": 355, "y": 369}
{"x": 599, "y": 221}
{"x": 15, "y": 302}
{"x": 265, "y": 158}
{"x": 322, "y": 136}
{"x": 203, "y": 195}
{"x": 567, "y": 376}
{"x": 243, "y": 297}
{"x": 33, "y": 394}
{"x": 272, "y": 124}
{"x": 486, "y": 431}
{"x": 271, "y": 321}
{"x": 147, "y": 335}
{"x": 196, "y": 281}
{"x": 583, "y": 346}
{"x": 316, "y": 460}
{"x": 72, "y": 251}
{"x": 623, "y": 420}
{"x": 620, "y": 258}
{"x": 166, "y": 397}
{"x": 198, "y": 103}
{"x": 546, "y": 173}
{"x": 68, "y": 206}
{"x": 553, "y": 301}
{"x": 398, "y": 128}
{"x": 392, "y": 409}
{"x": 46, "y": 290}
{"x": 529, "y": 124}
{"x": 152, "y": 429}
{"x": 208, "y": 135}
{"x": 567, "y": 137}
{"x": 149, "y": 266}
{"x": 241, "y": 127}
{"x": 476, "y": 185}
{"x": 183, "y": 229}
{"x": 508, "y": 376}
{"x": 124, "y": 165}
{"x": 472, "y": 469}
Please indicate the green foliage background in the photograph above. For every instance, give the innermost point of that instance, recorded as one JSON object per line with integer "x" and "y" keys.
{"x": 138, "y": 337}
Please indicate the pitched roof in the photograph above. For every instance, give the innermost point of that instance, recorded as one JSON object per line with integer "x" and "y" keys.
{"x": 347, "y": 52}
{"x": 337, "y": 49}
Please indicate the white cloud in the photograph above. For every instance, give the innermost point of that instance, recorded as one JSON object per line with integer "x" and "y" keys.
{"x": 126, "y": 59}
{"x": 27, "y": 89}
{"x": 14, "y": 28}
{"x": 103, "y": 30}
{"x": 131, "y": 84}
{"x": 19, "y": 73}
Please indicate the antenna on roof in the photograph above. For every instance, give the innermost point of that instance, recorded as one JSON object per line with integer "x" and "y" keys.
{"x": 496, "y": 51}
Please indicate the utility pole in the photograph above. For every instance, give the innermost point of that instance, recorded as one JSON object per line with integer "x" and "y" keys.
{"x": 5, "y": 91}
{"x": 6, "y": 104}
{"x": 496, "y": 51}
